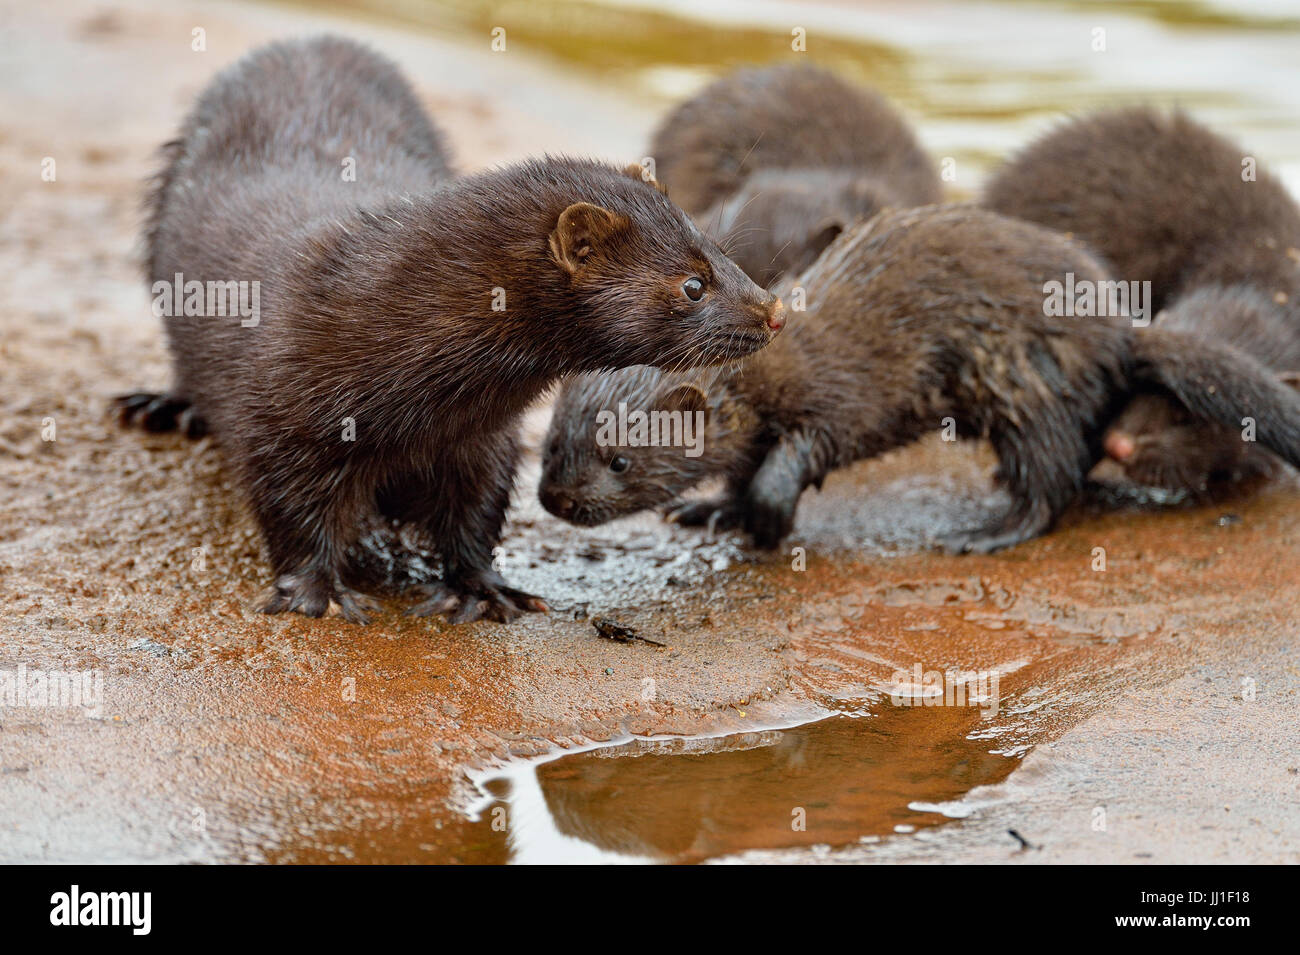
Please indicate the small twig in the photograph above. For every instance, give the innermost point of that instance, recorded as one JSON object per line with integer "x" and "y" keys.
{"x": 615, "y": 631}
{"x": 1024, "y": 843}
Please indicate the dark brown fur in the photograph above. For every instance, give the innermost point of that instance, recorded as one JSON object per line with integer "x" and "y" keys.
{"x": 377, "y": 307}
{"x": 1163, "y": 200}
{"x": 912, "y": 317}
{"x": 778, "y": 161}
{"x": 1162, "y": 444}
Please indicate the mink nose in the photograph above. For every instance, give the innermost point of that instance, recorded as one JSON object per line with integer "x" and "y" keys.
{"x": 557, "y": 502}
{"x": 1119, "y": 446}
{"x": 775, "y": 314}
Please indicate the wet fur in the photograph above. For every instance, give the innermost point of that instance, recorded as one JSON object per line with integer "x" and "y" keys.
{"x": 777, "y": 161}
{"x": 1162, "y": 199}
{"x": 913, "y": 317}
{"x": 376, "y": 306}
{"x": 1173, "y": 447}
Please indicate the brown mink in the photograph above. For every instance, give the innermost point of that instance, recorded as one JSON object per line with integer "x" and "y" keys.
{"x": 1163, "y": 199}
{"x": 913, "y": 317}
{"x": 1159, "y": 442}
{"x": 777, "y": 161}
{"x": 404, "y": 323}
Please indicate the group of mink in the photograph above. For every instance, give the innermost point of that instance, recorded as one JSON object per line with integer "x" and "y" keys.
{"x": 409, "y": 315}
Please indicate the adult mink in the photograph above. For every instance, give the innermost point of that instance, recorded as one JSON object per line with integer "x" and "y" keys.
{"x": 405, "y": 323}
{"x": 777, "y": 161}
{"x": 1166, "y": 200}
{"x": 913, "y": 317}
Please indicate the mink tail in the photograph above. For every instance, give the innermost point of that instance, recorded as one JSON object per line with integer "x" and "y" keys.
{"x": 1220, "y": 383}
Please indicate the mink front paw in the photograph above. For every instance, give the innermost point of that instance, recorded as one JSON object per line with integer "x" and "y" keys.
{"x": 485, "y": 595}
{"x": 315, "y": 594}
{"x": 769, "y": 514}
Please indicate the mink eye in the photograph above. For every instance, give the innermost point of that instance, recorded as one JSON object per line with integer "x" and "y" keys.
{"x": 693, "y": 288}
{"x": 618, "y": 464}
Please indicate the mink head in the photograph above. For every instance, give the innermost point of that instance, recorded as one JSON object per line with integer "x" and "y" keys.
{"x": 781, "y": 220}
{"x": 647, "y": 286}
{"x": 1158, "y": 442}
{"x": 624, "y": 442}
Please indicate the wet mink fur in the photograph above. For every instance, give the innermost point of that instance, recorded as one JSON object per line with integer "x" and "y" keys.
{"x": 1163, "y": 199}
{"x": 405, "y": 319}
{"x": 1162, "y": 444}
{"x": 777, "y": 161}
{"x": 913, "y": 317}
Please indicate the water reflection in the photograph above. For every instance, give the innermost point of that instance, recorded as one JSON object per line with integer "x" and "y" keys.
{"x": 832, "y": 782}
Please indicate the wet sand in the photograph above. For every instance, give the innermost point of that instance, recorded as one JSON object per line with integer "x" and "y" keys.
{"x": 227, "y": 735}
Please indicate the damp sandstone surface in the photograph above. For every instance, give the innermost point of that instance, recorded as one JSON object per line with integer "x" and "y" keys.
{"x": 1162, "y": 690}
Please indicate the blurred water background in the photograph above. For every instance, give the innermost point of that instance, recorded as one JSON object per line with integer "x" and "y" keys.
{"x": 978, "y": 78}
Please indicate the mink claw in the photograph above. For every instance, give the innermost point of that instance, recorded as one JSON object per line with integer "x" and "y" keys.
{"x": 439, "y": 599}
{"x": 714, "y": 514}
{"x": 999, "y": 535}
{"x": 353, "y": 606}
{"x": 315, "y": 596}
{"x": 477, "y": 601}
{"x": 525, "y": 600}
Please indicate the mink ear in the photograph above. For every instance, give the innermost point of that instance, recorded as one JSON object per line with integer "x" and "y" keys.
{"x": 1291, "y": 378}
{"x": 581, "y": 228}
{"x": 634, "y": 170}
{"x": 823, "y": 235}
{"x": 686, "y": 398}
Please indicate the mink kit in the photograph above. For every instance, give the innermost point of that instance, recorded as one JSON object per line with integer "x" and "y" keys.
{"x": 914, "y": 317}
{"x": 778, "y": 161}
{"x": 407, "y": 317}
{"x": 1166, "y": 200}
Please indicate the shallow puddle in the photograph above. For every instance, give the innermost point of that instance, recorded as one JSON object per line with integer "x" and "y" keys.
{"x": 844, "y": 779}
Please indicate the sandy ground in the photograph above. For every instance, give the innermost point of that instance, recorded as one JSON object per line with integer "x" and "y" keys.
{"x": 1163, "y": 690}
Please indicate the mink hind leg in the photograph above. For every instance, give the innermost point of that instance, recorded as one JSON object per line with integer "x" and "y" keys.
{"x": 1043, "y": 468}
{"x": 308, "y": 542}
{"x": 461, "y": 503}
